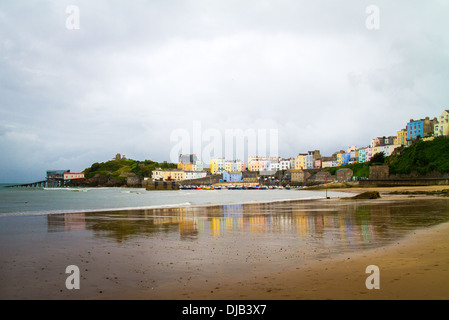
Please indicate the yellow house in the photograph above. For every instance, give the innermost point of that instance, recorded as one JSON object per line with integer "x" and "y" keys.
{"x": 185, "y": 166}
{"x": 401, "y": 137}
{"x": 442, "y": 127}
{"x": 228, "y": 166}
{"x": 169, "y": 175}
{"x": 216, "y": 164}
{"x": 339, "y": 159}
{"x": 301, "y": 161}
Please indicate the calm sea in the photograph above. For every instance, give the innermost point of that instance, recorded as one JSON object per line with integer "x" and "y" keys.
{"x": 25, "y": 201}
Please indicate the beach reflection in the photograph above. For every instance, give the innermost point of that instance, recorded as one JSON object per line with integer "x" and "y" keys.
{"x": 350, "y": 223}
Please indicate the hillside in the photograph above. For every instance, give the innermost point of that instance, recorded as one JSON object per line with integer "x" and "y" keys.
{"x": 121, "y": 172}
{"x": 423, "y": 158}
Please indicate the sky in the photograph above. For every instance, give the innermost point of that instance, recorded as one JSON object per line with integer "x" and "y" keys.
{"x": 79, "y": 85}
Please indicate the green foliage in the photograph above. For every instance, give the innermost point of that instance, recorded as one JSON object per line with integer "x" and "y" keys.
{"x": 378, "y": 158}
{"x": 423, "y": 157}
{"x": 115, "y": 168}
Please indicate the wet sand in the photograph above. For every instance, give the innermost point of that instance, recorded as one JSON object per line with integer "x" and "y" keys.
{"x": 127, "y": 257}
{"x": 414, "y": 268}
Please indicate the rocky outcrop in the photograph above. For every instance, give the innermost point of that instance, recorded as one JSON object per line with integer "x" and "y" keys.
{"x": 128, "y": 179}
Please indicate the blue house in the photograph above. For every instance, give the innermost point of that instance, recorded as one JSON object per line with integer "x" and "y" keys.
{"x": 232, "y": 176}
{"x": 415, "y": 128}
{"x": 420, "y": 128}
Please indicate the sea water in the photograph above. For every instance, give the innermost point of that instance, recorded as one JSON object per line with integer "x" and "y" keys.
{"x": 20, "y": 201}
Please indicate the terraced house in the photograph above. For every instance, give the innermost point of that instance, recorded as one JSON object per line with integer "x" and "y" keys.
{"x": 442, "y": 127}
{"x": 216, "y": 165}
{"x": 420, "y": 128}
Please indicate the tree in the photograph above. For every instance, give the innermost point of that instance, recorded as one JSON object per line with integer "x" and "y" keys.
{"x": 378, "y": 158}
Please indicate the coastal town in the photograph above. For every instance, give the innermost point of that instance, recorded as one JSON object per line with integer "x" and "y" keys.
{"x": 305, "y": 169}
{"x": 304, "y": 166}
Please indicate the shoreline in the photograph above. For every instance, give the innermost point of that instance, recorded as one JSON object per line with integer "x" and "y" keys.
{"x": 174, "y": 206}
{"x": 385, "y": 192}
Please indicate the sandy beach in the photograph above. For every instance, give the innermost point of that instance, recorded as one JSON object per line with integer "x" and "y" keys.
{"x": 413, "y": 268}
{"x": 298, "y": 250}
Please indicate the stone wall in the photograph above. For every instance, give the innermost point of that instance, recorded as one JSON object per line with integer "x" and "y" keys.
{"x": 344, "y": 175}
{"x": 379, "y": 172}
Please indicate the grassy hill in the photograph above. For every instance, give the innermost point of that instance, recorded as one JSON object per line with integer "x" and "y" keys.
{"x": 117, "y": 171}
{"x": 423, "y": 157}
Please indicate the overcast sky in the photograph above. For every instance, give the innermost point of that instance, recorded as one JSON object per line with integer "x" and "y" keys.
{"x": 136, "y": 71}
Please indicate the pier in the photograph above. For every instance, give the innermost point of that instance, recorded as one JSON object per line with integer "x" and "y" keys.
{"x": 41, "y": 184}
{"x": 54, "y": 179}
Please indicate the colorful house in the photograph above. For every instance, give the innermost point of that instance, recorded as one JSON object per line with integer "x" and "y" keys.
{"x": 198, "y": 165}
{"x": 420, "y": 128}
{"x": 232, "y": 176}
{"x": 362, "y": 155}
{"x": 442, "y": 127}
{"x": 301, "y": 161}
{"x": 389, "y": 149}
{"x": 168, "y": 175}
{"x": 216, "y": 165}
{"x": 187, "y": 161}
{"x": 194, "y": 174}
{"x": 368, "y": 154}
{"x": 234, "y": 166}
{"x": 285, "y": 164}
{"x": 343, "y": 158}
{"x": 401, "y": 137}
{"x": 260, "y": 163}
{"x": 328, "y": 162}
